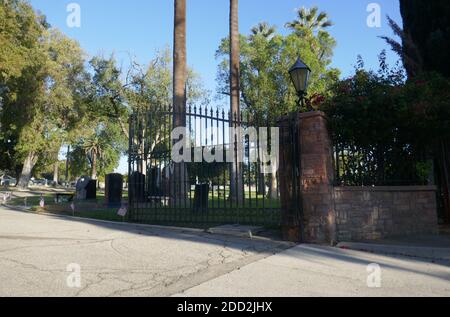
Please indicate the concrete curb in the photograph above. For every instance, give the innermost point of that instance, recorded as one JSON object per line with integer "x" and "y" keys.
{"x": 138, "y": 225}
{"x": 428, "y": 253}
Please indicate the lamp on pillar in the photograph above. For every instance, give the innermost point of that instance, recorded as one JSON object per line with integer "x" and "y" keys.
{"x": 300, "y": 73}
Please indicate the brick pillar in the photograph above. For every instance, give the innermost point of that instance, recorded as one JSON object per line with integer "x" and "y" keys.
{"x": 306, "y": 179}
{"x": 317, "y": 177}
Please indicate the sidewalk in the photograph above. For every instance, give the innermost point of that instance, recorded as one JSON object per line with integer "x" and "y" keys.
{"x": 428, "y": 247}
{"x": 312, "y": 270}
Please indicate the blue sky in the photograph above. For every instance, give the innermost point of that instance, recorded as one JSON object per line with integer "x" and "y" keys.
{"x": 141, "y": 27}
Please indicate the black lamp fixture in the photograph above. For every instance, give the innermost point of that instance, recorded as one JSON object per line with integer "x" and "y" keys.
{"x": 300, "y": 73}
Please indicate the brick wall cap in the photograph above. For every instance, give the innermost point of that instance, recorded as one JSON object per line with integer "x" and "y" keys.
{"x": 302, "y": 115}
{"x": 310, "y": 114}
{"x": 386, "y": 188}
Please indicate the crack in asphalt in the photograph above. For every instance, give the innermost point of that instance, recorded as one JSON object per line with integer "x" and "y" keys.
{"x": 136, "y": 275}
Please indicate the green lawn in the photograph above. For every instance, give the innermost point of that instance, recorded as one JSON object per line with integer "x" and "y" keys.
{"x": 261, "y": 211}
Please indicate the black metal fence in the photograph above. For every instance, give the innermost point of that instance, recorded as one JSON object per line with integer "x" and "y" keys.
{"x": 378, "y": 165}
{"x": 220, "y": 176}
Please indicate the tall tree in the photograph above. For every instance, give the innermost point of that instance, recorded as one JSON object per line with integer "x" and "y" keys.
{"x": 264, "y": 29}
{"x": 237, "y": 185}
{"x": 97, "y": 151}
{"x": 266, "y": 90}
{"x": 407, "y": 50}
{"x": 179, "y": 62}
{"x": 265, "y": 87}
{"x": 46, "y": 102}
{"x": 427, "y": 25}
{"x": 20, "y": 32}
{"x": 179, "y": 177}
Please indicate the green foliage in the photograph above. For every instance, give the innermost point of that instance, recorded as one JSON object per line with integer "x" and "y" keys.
{"x": 114, "y": 96}
{"x": 392, "y": 124}
{"x": 266, "y": 56}
{"x": 20, "y": 30}
{"x": 310, "y": 19}
{"x": 368, "y": 102}
{"x": 98, "y": 151}
{"x": 43, "y": 83}
{"x": 428, "y": 99}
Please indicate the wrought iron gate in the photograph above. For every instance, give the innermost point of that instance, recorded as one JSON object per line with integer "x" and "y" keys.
{"x": 205, "y": 188}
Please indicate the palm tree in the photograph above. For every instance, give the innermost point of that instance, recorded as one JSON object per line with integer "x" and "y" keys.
{"x": 93, "y": 147}
{"x": 179, "y": 175}
{"x": 237, "y": 186}
{"x": 234, "y": 58}
{"x": 310, "y": 19}
{"x": 264, "y": 29}
{"x": 179, "y": 62}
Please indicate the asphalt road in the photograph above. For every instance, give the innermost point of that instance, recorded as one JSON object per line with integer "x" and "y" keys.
{"x": 49, "y": 256}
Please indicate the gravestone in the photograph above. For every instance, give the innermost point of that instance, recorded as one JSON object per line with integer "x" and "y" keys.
{"x": 136, "y": 187}
{"x": 114, "y": 190}
{"x": 165, "y": 182}
{"x": 154, "y": 182}
{"x": 91, "y": 190}
{"x": 86, "y": 188}
{"x": 81, "y": 185}
{"x": 201, "y": 197}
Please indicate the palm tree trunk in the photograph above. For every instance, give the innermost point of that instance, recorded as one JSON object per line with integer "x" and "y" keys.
{"x": 273, "y": 181}
{"x": 179, "y": 174}
{"x": 94, "y": 166}
{"x": 237, "y": 185}
{"x": 179, "y": 60}
{"x": 28, "y": 165}
{"x": 56, "y": 172}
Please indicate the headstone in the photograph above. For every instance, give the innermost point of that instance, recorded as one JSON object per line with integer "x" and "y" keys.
{"x": 136, "y": 187}
{"x": 81, "y": 185}
{"x": 165, "y": 182}
{"x": 154, "y": 182}
{"x": 91, "y": 190}
{"x": 114, "y": 190}
{"x": 86, "y": 188}
{"x": 201, "y": 197}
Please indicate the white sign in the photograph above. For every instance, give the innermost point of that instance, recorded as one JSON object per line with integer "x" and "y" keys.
{"x": 122, "y": 212}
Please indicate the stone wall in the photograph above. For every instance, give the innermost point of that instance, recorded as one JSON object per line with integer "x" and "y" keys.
{"x": 328, "y": 214}
{"x": 370, "y": 213}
